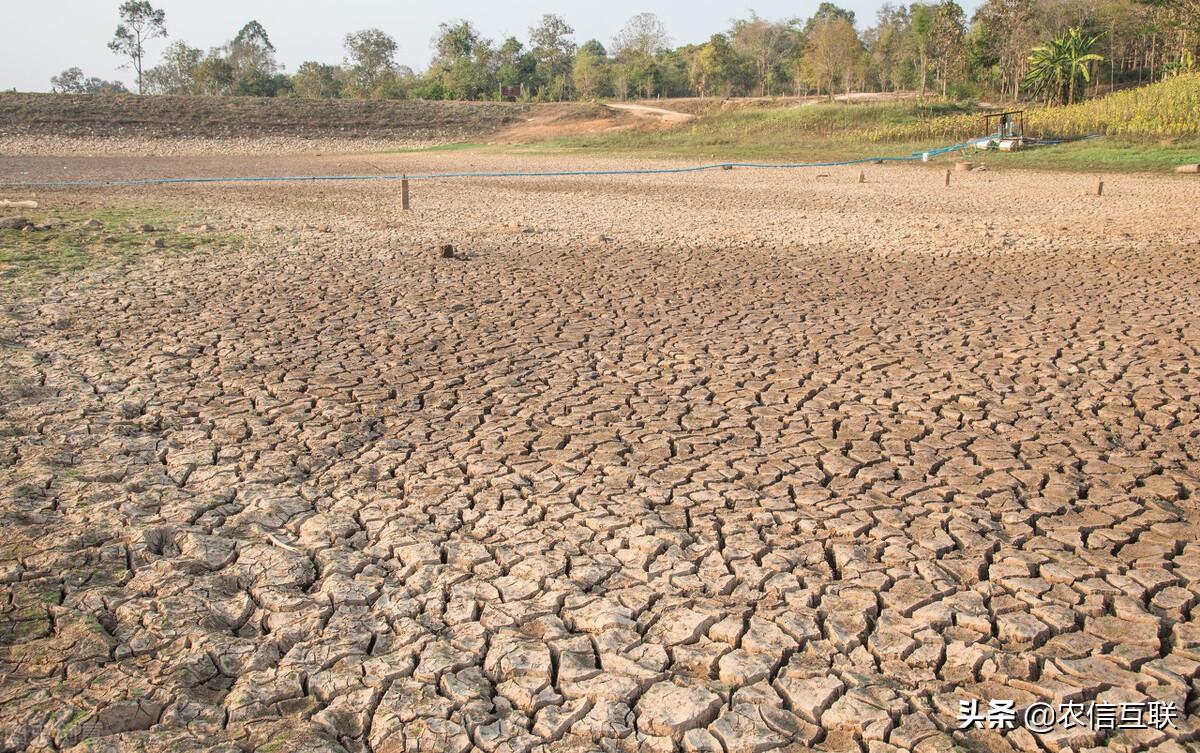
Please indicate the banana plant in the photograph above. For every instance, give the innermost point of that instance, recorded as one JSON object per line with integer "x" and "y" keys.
{"x": 1056, "y": 66}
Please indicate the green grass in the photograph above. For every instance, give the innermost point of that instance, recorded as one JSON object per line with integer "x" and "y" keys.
{"x": 1107, "y": 154}
{"x": 839, "y": 132}
{"x": 835, "y": 131}
{"x": 461, "y": 146}
{"x": 31, "y": 259}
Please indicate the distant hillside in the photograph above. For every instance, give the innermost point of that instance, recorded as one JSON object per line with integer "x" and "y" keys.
{"x": 89, "y": 115}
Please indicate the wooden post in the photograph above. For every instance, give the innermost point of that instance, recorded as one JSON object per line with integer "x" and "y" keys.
{"x": 1099, "y": 187}
{"x": 404, "y": 193}
{"x": 947, "y": 177}
{"x": 862, "y": 176}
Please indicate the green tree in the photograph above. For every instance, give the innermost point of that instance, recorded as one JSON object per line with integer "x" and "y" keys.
{"x": 719, "y": 67}
{"x": 554, "y": 51}
{"x": 176, "y": 74}
{"x": 372, "y": 53}
{"x": 890, "y": 64}
{"x": 215, "y": 76}
{"x": 636, "y": 49}
{"x": 1003, "y": 31}
{"x": 833, "y": 55}
{"x": 69, "y": 81}
{"x": 72, "y": 81}
{"x": 590, "y": 72}
{"x": 140, "y": 23}
{"x": 315, "y": 80}
{"x": 765, "y": 42}
{"x": 252, "y": 50}
{"x": 464, "y": 61}
{"x": 921, "y": 35}
{"x": 946, "y": 36}
{"x": 827, "y": 11}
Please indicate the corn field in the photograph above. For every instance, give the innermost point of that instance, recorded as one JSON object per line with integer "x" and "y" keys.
{"x": 1168, "y": 109}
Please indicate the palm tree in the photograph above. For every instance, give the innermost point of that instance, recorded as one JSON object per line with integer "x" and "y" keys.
{"x": 1056, "y": 66}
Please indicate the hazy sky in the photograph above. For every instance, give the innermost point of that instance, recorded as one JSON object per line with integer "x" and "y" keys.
{"x": 44, "y": 38}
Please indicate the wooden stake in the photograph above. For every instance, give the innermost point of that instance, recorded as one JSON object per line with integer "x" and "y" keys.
{"x": 404, "y": 193}
{"x": 862, "y": 176}
{"x": 947, "y": 177}
{"x": 1099, "y": 187}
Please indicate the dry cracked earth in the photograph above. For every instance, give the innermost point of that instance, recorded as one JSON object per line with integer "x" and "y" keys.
{"x": 735, "y": 461}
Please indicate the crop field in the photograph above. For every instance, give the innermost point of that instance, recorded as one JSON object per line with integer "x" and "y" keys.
{"x": 836, "y": 459}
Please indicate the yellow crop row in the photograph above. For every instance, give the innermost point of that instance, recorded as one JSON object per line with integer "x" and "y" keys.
{"x": 1168, "y": 108}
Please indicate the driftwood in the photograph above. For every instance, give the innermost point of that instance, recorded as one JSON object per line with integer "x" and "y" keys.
{"x": 19, "y": 204}
{"x": 1188, "y": 169}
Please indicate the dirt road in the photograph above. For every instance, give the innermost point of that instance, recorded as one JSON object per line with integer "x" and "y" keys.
{"x": 731, "y": 461}
{"x": 658, "y": 113}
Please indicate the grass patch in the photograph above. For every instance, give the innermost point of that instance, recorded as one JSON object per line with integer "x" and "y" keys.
{"x": 462, "y": 146}
{"x": 822, "y": 132}
{"x": 842, "y": 132}
{"x": 1104, "y": 155}
{"x": 33, "y": 258}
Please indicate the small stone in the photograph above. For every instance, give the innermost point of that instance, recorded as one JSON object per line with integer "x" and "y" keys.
{"x": 447, "y": 251}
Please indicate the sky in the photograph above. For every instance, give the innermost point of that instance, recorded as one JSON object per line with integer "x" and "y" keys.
{"x": 45, "y": 38}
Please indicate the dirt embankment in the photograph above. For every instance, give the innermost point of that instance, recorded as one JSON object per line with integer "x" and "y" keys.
{"x": 49, "y": 124}
{"x": 208, "y": 117}
{"x": 56, "y": 124}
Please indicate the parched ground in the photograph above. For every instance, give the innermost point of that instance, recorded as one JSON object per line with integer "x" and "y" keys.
{"x": 732, "y": 461}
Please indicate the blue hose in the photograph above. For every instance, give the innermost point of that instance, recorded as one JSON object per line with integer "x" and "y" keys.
{"x": 554, "y": 174}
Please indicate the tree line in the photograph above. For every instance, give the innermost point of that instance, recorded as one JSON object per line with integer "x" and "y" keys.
{"x": 1052, "y": 49}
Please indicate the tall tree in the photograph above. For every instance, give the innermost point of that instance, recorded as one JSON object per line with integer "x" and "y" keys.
{"x": 554, "y": 50}
{"x": 590, "y": 73}
{"x": 718, "y": 67}
{"x": 946, "y": 39}
{"x": 766, "y": 42}
{"x": 637, "y": 47}
{"x": 140, "y": 23}
{"x": 372, "y": 52}
{"x": 1007, "y": 26}
{"x": 827, "y": 11}
{"x": 833, "y": 55}
{"x": 251, "y": 50}
{"x": 643, "y": 35}
{"x": 176, "y": 74}
{"x": 921, "y": 34}
{"x": 464, "y": 61}
{"x": 891, "y": 66}
{"x": 315, "y": 80}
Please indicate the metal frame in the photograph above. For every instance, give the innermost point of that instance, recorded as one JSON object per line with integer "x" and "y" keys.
{"x": 1006, "y": 126}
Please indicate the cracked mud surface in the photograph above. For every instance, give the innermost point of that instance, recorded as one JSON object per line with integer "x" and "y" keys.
{"x": 742, "y": 461}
